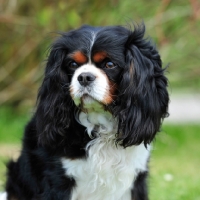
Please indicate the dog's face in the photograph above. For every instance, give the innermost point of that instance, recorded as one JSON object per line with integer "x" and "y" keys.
{"x": 110, "y": 66}
{"x": 91, "y": 83}
{"x": 95, "y": 64}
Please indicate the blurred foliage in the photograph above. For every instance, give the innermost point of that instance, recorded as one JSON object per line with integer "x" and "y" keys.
{"x": 28, "y": 27}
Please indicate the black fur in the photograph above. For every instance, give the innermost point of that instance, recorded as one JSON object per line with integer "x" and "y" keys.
{"x": 53, "y": 132}
{"x": 139, "y": 190}
{"x": 143, "y": 98}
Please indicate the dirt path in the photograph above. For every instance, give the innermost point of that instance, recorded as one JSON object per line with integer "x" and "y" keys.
{"x": 11, "y": 151}
{"x": 184, "y": 109}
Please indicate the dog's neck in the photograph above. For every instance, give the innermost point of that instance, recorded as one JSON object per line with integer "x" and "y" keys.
{"x": 97, "y": 120}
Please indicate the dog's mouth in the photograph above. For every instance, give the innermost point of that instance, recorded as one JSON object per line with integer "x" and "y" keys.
{"x": 88, "y": 102}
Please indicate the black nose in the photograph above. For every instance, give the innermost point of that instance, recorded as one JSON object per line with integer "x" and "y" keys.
{"x": 86, "y": 78}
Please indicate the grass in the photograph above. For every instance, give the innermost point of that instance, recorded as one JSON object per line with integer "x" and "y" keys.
{"x": 174, "y": 164}
{"x": 12, "y": 124}
{"x": 11, "y": 129}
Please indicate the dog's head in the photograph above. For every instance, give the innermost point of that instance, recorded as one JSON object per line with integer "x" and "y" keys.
{"x": 113, "y": 66}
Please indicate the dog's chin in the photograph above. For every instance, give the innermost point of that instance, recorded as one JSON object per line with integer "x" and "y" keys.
{"x": 87, "y": 99}
{"x": 88, "y": 103}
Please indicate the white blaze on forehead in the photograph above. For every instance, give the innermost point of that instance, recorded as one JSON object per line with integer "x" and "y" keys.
{"x": 93, "y": 39}
{"x": 98, "y": 89}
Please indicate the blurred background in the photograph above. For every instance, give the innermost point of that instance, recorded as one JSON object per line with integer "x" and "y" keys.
{"x": 27, "y": 28}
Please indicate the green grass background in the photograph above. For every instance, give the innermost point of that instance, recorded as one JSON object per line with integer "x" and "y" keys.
{"x": 174, "y": 164}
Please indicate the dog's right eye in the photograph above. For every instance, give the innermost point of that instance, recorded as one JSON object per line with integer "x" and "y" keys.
{"x": 73, "y": 65}
{"x": 110, "y": 65}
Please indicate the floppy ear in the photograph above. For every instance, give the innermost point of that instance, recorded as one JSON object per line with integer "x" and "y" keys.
{"x": 143, "y": 98}
{"x": 55, "y": 107}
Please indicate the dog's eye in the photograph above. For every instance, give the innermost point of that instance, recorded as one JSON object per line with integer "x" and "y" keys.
{"x": 110, "y": 65}
{"x": 73, "y": 65}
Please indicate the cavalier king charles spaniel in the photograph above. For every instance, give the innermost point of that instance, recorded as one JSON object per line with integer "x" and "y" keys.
{"x": 101, "y": 103}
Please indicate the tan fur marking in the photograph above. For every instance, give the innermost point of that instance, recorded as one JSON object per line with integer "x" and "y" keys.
{"x": 111, "y": 93}
{"x": 79, "y": 57}
{"x": 99, "y": 56}
{"x": 71, "y": 91}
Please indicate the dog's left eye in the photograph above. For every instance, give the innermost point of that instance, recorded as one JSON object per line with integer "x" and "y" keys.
{"x": 73, "y": 65}
{"x": 110, "y": 65}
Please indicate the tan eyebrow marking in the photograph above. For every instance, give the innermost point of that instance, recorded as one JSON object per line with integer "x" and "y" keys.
{"x": 99, "y": 56}
{"x": 79, "y": 57}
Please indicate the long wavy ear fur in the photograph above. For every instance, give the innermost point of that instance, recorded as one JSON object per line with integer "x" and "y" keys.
{"x": 55, "y": 107}
{"x": 143, "y": 99}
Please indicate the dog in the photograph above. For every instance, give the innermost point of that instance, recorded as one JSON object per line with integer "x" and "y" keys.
{"x": 102, "y": 101}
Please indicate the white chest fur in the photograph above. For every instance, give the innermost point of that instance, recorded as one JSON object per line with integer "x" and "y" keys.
{"x": 108, "y": 171}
